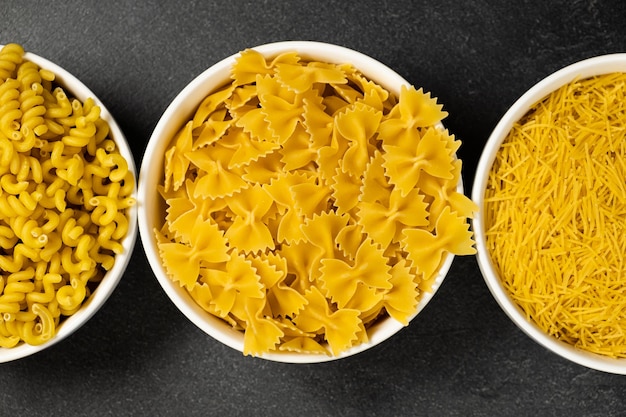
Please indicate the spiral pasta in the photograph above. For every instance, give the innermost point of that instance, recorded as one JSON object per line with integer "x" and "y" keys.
{"x": 65, "y": 192}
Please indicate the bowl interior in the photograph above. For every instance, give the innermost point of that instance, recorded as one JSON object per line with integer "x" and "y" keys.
{"x": 76, "y": 88}
{"x": 151, "y": 208}
{"x": 583, "y": 69}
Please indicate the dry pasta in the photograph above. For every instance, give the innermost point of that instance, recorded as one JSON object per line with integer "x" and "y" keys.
{"x": 299, "y": 198}
{"x": 64, "y": 195}
{"x": 555, "y": 214}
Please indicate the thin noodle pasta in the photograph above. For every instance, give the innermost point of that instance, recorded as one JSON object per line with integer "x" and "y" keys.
{"x": 555, "y": 214}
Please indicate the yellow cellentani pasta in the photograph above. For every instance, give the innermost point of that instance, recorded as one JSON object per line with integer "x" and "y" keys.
{"x": 65, "y": 191}
{"x": 555, "y": 214}
{"x": 304, "y": 202}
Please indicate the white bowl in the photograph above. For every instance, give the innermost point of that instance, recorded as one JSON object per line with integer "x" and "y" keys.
{"x": 74, "y": 87}
{"x": 583, "y": 69}
{"x": 181, "y": 110}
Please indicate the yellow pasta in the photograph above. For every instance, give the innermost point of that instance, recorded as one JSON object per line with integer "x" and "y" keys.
{"x": 555, "y": 214}
{"x": 298, "y": 197}
{"x": 65, "y": 192}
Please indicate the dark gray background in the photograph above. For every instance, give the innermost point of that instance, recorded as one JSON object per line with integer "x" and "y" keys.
{"x": 462, "y": 357}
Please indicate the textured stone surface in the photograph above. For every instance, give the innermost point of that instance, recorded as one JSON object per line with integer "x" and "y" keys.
{"x": 461, "y": 357}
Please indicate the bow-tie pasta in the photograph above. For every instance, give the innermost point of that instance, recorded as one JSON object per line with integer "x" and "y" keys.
{"x": 64, "y": 194}
{"x": 305, "y": 202}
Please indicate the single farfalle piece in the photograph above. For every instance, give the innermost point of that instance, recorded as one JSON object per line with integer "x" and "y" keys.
{"x": 212, "y": 103}
{"x": 349, "y": 240}
{"x": 282, "y": 300}
{"x": 357, "y": 124}
{"x": 426, "y": 250}
{"x": 279, "y": 188}
{"x": 246, "y": 148}
{"x": 291, "y": 218}
{"x": 252, "y": 120}
{"x": 349, "y": 93}
{"x": 366, "y": 299}
{"x": 281, "y": 108}
{"x": 232, "y": 285}
{"x": 176, "y": 163}
{"x": 290, "y": 329}
{"x": 311, "y": 196}
{"x": 443, "y": 192}
{"x": 297, "y": 151}
{"x": 178, "y": 205}
{"x": 248, "y": 232}
{"x": 212, "y": 129}
{"x": 262, "y": 333}
{"x": 384, "y": 222}
{"x": 241, "y": 96}
{"x": 340, "y": 278}
{"x": 322, "y": 229}
{"x": 214, "y": 179}
{"x": 185, "y": 209}
{"x": 201, "y": 294}
{"x": 317, "y": 122}
{"x": 373, "y": 94}
{"x": 354, "y": 247}
{"x": 415, "y": 110}
{"x": 334, "y": 104}
{"x": 301, "y": 78}
{"x": 251, "y": 63}
{"x": 182, "y": 262}
{"x": 302, "y": 260}
{"x": 346, "y": 188}
{"x": 430, "y": 153}
{"x": 340, "y": 327}
{"x": 376, "y": 186}
{"x": 264, "y": 169}
{"x": 303, "y": 344}
{"x": 401, "y": 300}
{"x": 329, "y": 156}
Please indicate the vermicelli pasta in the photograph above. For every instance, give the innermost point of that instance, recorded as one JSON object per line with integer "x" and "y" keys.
{"x": 65, "y": 192}
{"x": 555, "y": 214}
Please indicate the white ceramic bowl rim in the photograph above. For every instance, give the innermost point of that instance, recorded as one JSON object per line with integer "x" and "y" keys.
{"x": 185, "y": 103}
{"x": 75, "y": 88}
{"x": 583, "y": 69}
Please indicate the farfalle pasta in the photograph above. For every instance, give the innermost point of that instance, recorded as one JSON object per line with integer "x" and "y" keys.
{"x": 65, "y": 191}
{"x": 305, "y": 202}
